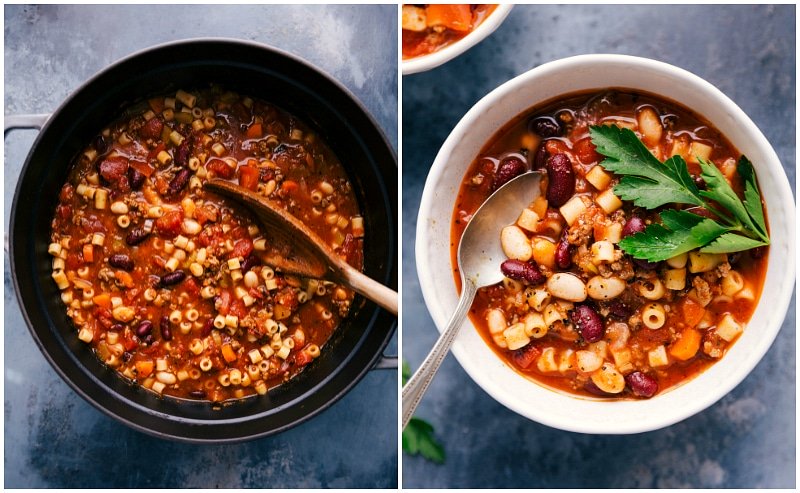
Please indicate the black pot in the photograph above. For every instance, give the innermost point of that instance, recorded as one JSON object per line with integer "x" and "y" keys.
{"x": 261, "y": 72}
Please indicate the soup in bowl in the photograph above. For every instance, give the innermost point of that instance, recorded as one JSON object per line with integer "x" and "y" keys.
{"x": 612, "y": 318}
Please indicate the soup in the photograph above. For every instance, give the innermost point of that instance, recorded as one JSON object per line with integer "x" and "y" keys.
{"x": 577, "y": 311}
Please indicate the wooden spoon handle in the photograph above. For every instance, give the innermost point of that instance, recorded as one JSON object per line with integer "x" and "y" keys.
{"x": 369, "y": 288}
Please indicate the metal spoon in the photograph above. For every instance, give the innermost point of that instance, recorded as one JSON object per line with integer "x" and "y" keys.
{"x": 479, "y": 259}
{"x": 295, "y": 249}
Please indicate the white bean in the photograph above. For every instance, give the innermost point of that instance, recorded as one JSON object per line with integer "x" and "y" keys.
{"x": 567, "y": 287}
{"x": 515, "y": 243}
{"x": 601, "y": 288}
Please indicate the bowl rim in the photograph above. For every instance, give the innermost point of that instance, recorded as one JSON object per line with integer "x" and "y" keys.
{"x": 424, "y": 244}
{"x": 423, "y": 63}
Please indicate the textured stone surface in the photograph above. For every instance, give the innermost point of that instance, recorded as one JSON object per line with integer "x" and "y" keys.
{"x": 53, "y": 438}
{"x": 745, "y": 440}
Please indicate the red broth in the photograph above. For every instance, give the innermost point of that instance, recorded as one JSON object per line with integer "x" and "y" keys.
{"x": 429, "y": 28}
{"x": 656, "y": 330}
{"x": 164, "y": 281}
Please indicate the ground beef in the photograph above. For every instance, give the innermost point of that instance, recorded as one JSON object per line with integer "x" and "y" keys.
{"x": 703, "y": 290}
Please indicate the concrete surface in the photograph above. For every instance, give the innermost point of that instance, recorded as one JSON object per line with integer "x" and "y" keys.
{"x": 55, "y": 439}
{"x": 745, "y": 440}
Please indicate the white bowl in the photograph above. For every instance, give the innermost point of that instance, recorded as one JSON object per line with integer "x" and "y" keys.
{"x": 484, "y": 29}
{"x": 543, "y": 83}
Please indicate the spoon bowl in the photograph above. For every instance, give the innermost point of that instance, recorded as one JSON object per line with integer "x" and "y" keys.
{"x": 479, "y": 257}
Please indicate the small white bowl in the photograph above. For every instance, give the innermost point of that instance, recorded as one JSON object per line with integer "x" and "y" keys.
{"x": 484, "y": 29}
{"x": 544, "y": 83}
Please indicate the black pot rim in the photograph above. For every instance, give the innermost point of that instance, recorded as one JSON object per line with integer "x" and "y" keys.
{"x": 190, "y": 423}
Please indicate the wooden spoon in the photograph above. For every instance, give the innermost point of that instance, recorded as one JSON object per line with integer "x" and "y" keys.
{"x": 298, "y": 250}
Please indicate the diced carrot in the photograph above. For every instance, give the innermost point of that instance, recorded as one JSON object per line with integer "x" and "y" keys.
{"x": 254, "y": 132}
{"x": 693, "y": 312}
{"x": 125, "y": 278}
{"x": 88, "y": 253}
{"x": 289, "y": 186}
{"x": 248, "y": 177}
{"x": 142, "y": 167}
{"x": 455, "y": 17}
{"x": 103, "y": 300}
{"x": 156, "y": 104}
{"x": 687, "y": 344}
{"x": 228, "y": 353}
{"x": 144, "y": 368}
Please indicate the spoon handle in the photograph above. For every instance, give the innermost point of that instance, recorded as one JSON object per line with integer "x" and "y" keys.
{"x": 418, "y": 384}
{"x": 369, "y": 288}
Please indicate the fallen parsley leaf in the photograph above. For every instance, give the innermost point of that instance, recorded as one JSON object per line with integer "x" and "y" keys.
{"x": 649, "y": 183}
{"x": 418, "y": 434}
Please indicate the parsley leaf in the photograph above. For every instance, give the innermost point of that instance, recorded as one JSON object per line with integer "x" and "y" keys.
{"x": 418, "y": 439}
{"x": 738, "y": 225}
{"x": 684, "y": 234}
{"x": 418, "y": 433}
{"x": 645, "y": 180}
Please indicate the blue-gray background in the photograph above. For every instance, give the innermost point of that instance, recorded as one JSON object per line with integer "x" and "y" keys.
{"x": 55, "y": 439}
{"x": 745, "y": 440}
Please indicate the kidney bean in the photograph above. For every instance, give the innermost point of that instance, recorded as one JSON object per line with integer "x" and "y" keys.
{"x": 635, "y": 224}
{"x": 588, "y": 323}
{"x": 136, "y": 236}
{"x": 545, "y": 126}
{"x": 641, "y": 384}
{"x": 207, "y": 326}
{"x": 561, "y": 179}
{"x": 620, "y": 309}
{"x": 135, "y": 178}
{"x": 179, "y": 182}
{"x": 699, "y": 182}
{"x": 166, "y": 332}
{"x": 249, "y": 262}
{"x": 144, "y": 328}
{"x": 540, "y": 159}
{"x": 198, "y": 394}
{"x": 522, "y": 271}
{"x": 121, "y": 261}
{"x": 563, "y": 252}
{"x": 592, "y": 388}
{"x": 113, "y": 168}
{"x": 183, "y": 152}
{"x": 100, "y": 144}
{"x": 509, "y": 168}
{"x": 646, "y": 264}
{"x": 126, "y": 356}
{"x": 172, "y": 278}
{"x": 149, "y": 339}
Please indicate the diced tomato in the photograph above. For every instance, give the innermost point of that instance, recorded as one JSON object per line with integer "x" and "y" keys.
{"x": 525, "y": 356}
{"x": 220, "y": 168}
{"x": 302, "y": 358}
{"x": 238, "y": 309}
{"x": 289, "y": 186}
{"x": 254, "y": 132}
{"x": 169, "y": 224}
{"x": 142, "y": 167}
{"x": 455, "y": 17}
{"x": 191, "y": 287}
{"x": 223, "y": 302}
{"x": 153, "y": 153}
{"x": 205, "y": 214}
{"x": 64, "y": 212}
{"x": 586, "y": 151}
{"x": 242, "y": 248}
{"x": 248, "y": 177}
{"x": 66, "y": 194}
{"x": 210, "y": 235}
{"x": 74, "y": 261}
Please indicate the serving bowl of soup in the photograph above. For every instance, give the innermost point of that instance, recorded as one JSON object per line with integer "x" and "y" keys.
{"x": 596, "y": 340}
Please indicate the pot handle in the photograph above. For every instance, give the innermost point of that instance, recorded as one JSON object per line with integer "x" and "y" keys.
{"x": 386, "y": 363}
{"x": 15, "y": 122}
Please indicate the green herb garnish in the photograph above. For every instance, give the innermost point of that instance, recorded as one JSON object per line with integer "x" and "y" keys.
{"x": 649, "y": 183}
{"x": 418, "y": 434}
